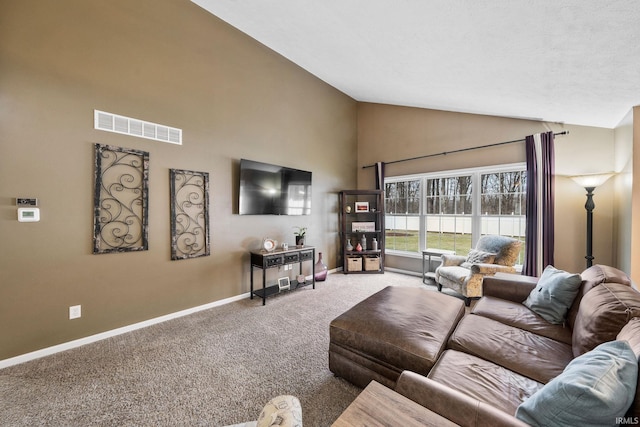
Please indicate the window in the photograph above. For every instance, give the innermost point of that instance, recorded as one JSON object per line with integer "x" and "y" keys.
{"x": 451, "y": 210}
{"x": 402, "y": 204}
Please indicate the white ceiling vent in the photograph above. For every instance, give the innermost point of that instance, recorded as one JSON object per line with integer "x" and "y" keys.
{"x": 119, "y": 124}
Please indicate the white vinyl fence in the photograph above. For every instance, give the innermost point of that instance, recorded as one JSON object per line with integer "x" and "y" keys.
{"x": 508, "y": 225}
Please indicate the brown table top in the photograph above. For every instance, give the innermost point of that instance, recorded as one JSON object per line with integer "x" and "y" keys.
{"x": 380, "y": 406}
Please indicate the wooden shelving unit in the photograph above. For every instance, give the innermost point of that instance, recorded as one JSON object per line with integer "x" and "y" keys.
{"x": 362, "y": 215}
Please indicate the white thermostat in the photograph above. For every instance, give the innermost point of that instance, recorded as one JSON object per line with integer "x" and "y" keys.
{"x": 28, "y": 214}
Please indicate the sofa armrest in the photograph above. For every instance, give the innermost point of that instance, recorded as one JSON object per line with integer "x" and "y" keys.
{"x": 452, "y": 404}
{"x": 449, "y": 260}
{"x": 511, "y": 287}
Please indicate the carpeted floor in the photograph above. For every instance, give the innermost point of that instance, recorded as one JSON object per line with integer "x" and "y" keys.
{"x": 212, "y": 368}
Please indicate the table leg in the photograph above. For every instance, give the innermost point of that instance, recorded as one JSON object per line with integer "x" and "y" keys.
{"x": 313, "y": 270}
{"x": 251, "y": 291}
{"x": 264, "y": 286}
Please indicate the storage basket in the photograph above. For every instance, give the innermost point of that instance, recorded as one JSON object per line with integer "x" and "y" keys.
{"x": 372, "y": 263}
{"x": 354, "y": 263}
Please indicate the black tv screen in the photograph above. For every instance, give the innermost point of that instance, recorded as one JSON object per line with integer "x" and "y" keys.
{"x": 267, "y": 189}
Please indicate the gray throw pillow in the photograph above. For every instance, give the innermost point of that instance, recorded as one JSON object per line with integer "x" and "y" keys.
{"x": 554, "y": 294}
{"x": 594, "y": 389}
{"x": 475, "y": 256}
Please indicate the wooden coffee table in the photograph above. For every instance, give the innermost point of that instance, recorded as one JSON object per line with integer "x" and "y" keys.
{"x": 378, "y": 405}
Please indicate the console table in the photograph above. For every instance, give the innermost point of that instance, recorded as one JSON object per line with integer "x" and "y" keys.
{"x": 279, "y": 258}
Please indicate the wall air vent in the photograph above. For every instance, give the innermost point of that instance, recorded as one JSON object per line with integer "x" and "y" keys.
{"x": 119, "y": 124}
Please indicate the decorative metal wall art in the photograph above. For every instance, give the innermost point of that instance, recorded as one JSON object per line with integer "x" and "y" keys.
{"x": 189, "y": 214}
{"x": 121, "y": 200}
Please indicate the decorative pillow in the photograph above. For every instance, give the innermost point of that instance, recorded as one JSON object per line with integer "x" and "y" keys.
{"x": 476, "y": 256}
{"x": 553, "y": 295}
{"x": 506, "y": 248}
{"x": 282, "y": 411}
{"x": 593, "y": 390}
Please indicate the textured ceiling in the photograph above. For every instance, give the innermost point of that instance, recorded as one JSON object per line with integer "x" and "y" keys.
{"x": 570, "y": 61}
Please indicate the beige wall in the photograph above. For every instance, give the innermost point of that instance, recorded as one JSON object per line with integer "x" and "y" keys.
{"x": 635, "y": 199}
{"x": 167, "y": 62}
{"x": 623, "y": 192}
{"x": 387, "y": 133}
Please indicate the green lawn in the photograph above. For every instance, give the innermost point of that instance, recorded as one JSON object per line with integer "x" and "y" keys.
{"x": 407, "y": 240}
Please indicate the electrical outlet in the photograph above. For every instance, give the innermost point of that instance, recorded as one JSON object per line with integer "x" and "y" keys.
{"x": 75, "y": 311}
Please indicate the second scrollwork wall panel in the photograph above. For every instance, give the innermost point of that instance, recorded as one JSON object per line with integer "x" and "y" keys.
{"x": 189, "y": 214}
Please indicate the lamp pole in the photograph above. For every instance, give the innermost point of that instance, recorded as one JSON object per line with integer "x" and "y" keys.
{"x": 589, "y": 206}
{"x": 589, "y": 183}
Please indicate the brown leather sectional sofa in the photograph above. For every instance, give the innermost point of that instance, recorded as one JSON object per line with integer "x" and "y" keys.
{"x": 502, "y": 353}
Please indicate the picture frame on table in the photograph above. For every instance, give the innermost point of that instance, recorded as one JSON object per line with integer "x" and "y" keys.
{"x": 284, "y": 283}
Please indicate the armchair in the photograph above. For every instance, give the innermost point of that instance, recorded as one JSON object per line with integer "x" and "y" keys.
{"x": 464, "y": 275}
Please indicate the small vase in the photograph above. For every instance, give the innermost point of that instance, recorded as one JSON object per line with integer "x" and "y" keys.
{"x": 299, "y": 241}
{"x": 349, "y": 245}
{"x": 321, "y": 269}
{"x": 359, "y": 247}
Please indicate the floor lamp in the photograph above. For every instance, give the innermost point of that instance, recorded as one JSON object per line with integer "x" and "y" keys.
{"x": 590, "y": 182}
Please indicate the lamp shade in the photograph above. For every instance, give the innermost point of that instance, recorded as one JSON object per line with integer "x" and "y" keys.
{"x": 593, "y": 180}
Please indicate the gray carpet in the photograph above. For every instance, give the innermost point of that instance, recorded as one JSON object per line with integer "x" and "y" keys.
{"x": 212, "y": 368}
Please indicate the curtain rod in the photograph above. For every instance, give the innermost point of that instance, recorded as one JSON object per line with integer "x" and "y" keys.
{"x": 444, "y": 153}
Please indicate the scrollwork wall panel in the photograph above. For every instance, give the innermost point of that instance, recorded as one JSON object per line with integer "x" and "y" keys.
{"x": 189, "y": 214}
{"x": 121, "y": 200}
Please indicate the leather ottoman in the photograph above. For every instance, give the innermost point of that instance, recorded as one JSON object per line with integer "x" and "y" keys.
{"x": 396, "y": 329}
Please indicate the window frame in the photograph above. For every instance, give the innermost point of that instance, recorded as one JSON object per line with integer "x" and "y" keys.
{"x": 476, "y": 216}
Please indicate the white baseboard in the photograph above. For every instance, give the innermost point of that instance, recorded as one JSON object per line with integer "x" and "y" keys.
{"x": 401, "y": 271}
{"x": 123, "y": 330}
{"x": 108, "y": 334}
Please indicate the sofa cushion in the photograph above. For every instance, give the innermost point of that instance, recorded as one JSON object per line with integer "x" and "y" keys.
{"x": 592, "y": 277}
{"x": 526, "y": 353}
{"x": 593, "y": 390}
{"x": 604, "y": 310}
{"x": 483, "y": 380}
{"x": 553, "y": 295}
{"x": 518, "y": 315}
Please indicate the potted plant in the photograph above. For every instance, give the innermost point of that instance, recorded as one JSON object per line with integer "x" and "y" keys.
{"x": 302, "y": 231}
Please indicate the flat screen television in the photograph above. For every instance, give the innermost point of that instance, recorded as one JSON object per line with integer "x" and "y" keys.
{"x": 267, "y": 189}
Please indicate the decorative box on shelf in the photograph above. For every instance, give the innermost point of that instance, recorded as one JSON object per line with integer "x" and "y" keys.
{"x": 363, "y": 226}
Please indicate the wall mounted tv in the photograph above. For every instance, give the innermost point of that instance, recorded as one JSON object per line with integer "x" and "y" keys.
{"x": 267, "y": 189}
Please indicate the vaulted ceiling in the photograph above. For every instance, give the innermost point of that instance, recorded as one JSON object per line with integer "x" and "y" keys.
{"x": 569, "y": 61}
